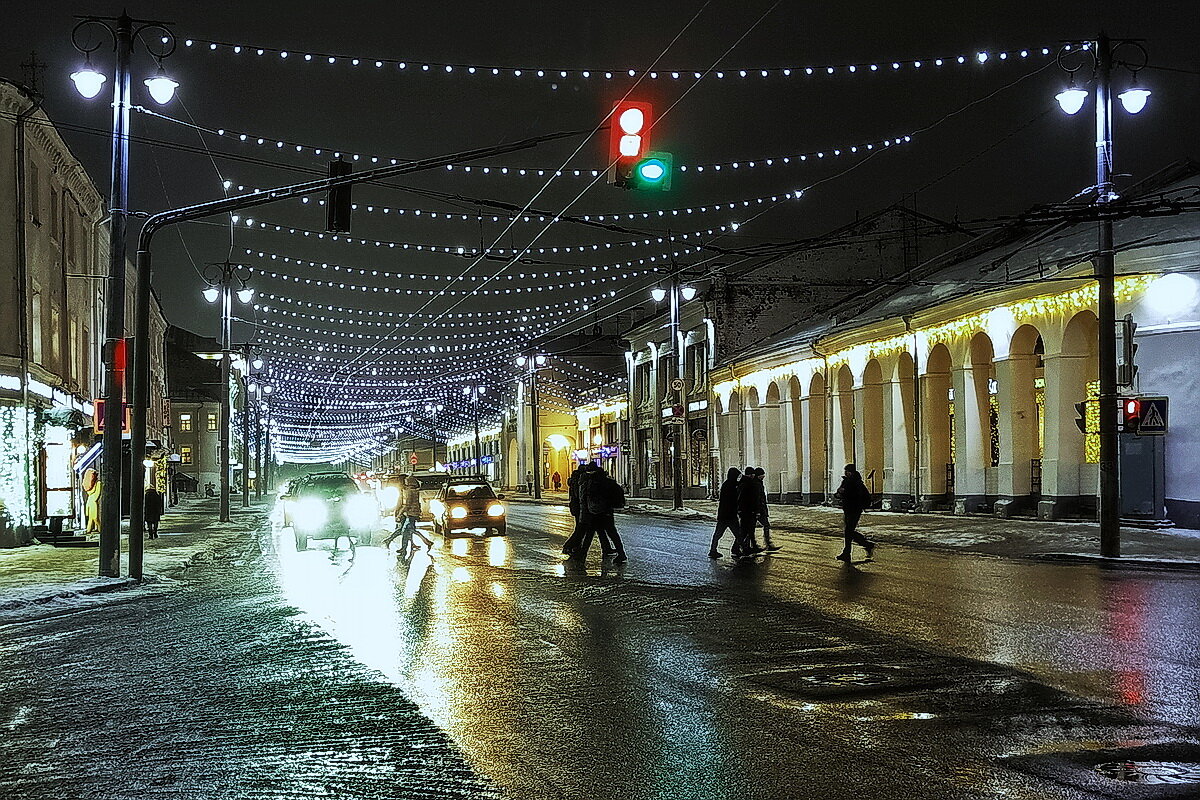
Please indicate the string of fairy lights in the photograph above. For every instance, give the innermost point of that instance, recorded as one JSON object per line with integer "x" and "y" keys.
{"x": 554, "y": 74}
{"x": 393, "y": 390}
{"x": 499, "y": 170}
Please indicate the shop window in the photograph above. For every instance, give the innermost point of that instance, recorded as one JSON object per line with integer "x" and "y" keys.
{"x": 185, "y": 454}
{"x": 185, "y": 423}
{"x": 212, "y": 422}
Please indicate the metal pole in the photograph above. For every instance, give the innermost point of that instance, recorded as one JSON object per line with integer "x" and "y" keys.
{"x": 114, "y": 318}
{"x": 475, "y": 408}
{"x": 258, "y": 469}
{"x": 679, "y": 427}
{"x": 138, "y": 417}
{"x": 225, "y": 370}
{"x": 267, "y": 471}
{"x": 245, "y": 427}
{"x": 1110, "y": 490}
{"x": 537, "y": 437}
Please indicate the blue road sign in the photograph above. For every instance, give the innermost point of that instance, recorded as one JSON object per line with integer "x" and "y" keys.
{"x": 1154, "y": 416}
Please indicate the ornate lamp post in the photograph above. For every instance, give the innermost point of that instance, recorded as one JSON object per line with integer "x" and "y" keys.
{"x": 534, "y": 361}
{"x": 1100, "y": 56}
{"x": 678, "y": 293}
{"x": 475, "y": 392}
{"x": 221, "y": 279}
{"x": 124, "y": 32}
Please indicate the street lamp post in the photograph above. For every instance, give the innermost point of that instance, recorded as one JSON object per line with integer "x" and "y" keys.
{"x": 252, "y": 386}
{"x": 475, "y": 392}
{"x": 534, "y": 361}
{"x": 1101, "y": 53}
{"x": 89, "y": 82}
{"x": 220, "y": 278}
{"x": 677, "y": 294}
{"x": 432, "y": 409}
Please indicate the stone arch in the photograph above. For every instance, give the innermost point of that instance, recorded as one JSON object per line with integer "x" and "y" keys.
{"x": 816, "y": 480}
{"x": 1069, "y": 469}
{"x": 900, "y": 464}
{"x": 842, "y": 450}
{"x": 937, "y": 439}
{"x": 730, "y": 423}
{"x": 870, "y": 446}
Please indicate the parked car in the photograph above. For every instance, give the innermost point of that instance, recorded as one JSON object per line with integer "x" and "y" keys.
{"x": 468, "y": 504}
{"x": 328, "y": 505}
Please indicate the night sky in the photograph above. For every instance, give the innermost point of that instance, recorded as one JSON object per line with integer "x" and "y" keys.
{"x": 987, "y": 140}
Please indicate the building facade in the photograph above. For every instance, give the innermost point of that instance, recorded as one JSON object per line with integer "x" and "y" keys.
{"x": 52, "y": 288}
{"x": 962, "y": 391}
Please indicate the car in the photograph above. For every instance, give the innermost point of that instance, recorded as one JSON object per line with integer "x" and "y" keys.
{"x": 468, "y": 504}
{"x": 329, "y": 505}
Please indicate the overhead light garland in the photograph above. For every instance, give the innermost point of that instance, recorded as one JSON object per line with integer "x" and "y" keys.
{"x": 553, "y": 75}
{"x": 463, "y": 250}
{"x": 478, "y": 169}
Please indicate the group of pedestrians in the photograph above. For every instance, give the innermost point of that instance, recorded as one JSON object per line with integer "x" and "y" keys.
{"x": 741, "y": 510}
{"x": 408, "y": 513}
{"x": 593, "y": 497}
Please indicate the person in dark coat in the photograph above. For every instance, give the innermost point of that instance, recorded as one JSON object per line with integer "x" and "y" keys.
{"x": 748, "y": 490}
{"x": 763, "y": 517}
{"x": 152, "y": 511}
{"x": 855, "y": 497}
{"x": 556, "y": 479}
{"x": 574, "y": 485}
{"x": 727, "y": 514}
{"x": 599, "y": 497}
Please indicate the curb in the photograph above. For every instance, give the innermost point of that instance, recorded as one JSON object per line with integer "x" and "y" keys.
{"x": 1128, "y": 562}
{"x": 1119, "y": 562}
{"x": 67, "y": 592}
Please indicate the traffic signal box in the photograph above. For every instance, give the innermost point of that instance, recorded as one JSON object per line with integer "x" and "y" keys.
{"x": 338, "y": 204}
{"x": 1131, "y": 413}
{"x": 631, "y": 162}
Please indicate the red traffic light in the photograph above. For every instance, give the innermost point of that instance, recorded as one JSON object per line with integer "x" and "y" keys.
{"x": 629, "y": 137}
{"x": 1131, "y": 411}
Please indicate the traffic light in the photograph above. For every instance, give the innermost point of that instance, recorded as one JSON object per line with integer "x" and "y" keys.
{"x": 628, "y": 139}
{"x": 1081, "y": 421}
{"x": 337, "y": 205}
{"x": 1131, "y": 413}
{"x": 1127, "y": 369}
{"x": 653, "y": 172}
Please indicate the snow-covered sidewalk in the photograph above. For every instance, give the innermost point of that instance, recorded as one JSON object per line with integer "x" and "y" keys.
{"x": 1177, "y": 548}
{"x": 51, "y": 577}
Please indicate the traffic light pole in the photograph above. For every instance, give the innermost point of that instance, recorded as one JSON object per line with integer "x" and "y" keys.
{"x": 1110, "y": 488}
{"x": 110, "y": 557}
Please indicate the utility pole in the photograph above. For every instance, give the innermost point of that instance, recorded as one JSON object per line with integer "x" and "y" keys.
{"x": 679, "y": 426}
{"x": 245, "y": 426}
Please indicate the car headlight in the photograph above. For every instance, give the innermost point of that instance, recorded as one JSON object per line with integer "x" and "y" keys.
{"x": 310, "y": 513}
{"x": 361, "y": 512}
{"x": 459, "y": 512}
{"x": 436, "y": 506}
{"x": 495, "y": 510}
{"x": 389, "y": 496}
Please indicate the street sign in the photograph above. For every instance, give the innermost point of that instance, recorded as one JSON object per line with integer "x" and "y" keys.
{"x": 1154, "y": 416}
{"x": 98, "y": 416}
{"x": 413, "y": 459}
{"x": 676, "y": 384}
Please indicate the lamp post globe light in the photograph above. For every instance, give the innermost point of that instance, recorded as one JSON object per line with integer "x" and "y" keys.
{"x": 253, "y": 387}
{"x": 159, "y": 42}
{"x": 1101, "y": 56}
{"x": 221, "y": 279}
{"x": 678, "y": 293}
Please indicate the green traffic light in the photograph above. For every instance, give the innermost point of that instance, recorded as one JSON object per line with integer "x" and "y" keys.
{"x": 653, "y": 172}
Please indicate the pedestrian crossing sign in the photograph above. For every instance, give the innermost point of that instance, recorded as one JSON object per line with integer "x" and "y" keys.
{"x": 1154, "y": 416}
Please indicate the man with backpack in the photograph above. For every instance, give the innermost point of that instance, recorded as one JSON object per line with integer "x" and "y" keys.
{"x": 600, "y": 495}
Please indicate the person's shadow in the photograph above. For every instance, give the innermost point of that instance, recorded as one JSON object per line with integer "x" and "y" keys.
{"x": 853, "y": 583}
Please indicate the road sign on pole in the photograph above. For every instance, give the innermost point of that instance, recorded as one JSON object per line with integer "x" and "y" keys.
{"x": 413, "y": 459}
{"x": 1154, "y": 416}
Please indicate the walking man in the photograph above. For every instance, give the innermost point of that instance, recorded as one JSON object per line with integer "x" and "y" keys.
{"x": 408, "y": 511}
{"x": 855, "y": 497}
{"x": 574, "y": 487}
{"x": 152, "y": 511}
{"x": 748, "y": 503}
{"x": 727, "y": 515}
{"x": 763, "y": 518}
{"x": 556, "y": 479}
{"x": 601, "y": 495}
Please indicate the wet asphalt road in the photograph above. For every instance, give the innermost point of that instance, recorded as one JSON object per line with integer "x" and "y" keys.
{"x": 493, "y": 670}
